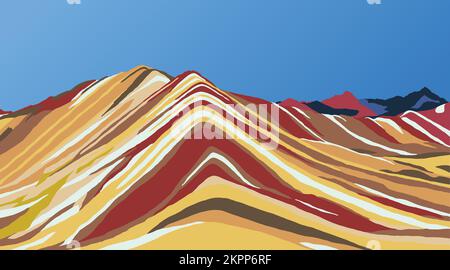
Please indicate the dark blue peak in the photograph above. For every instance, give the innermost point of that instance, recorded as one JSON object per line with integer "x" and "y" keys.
{"x": 421, "y": 100}
{"x": 323, "y": 108}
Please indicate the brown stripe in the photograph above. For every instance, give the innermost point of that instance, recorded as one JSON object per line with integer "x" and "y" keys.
{"x": 130, "y": 89}
{"x": 253, "y": 214}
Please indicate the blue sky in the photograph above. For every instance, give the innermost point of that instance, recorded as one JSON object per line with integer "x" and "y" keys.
{"x": 304, "y": 49}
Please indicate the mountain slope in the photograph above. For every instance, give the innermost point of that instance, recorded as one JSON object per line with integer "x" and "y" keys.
{"x": 141, "y": 160}
{"x": 439, "y": 115}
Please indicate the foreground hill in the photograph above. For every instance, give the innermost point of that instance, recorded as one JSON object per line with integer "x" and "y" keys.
{"x": 125, "y": 162}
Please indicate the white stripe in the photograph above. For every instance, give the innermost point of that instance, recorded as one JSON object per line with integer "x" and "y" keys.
{"x": 350, "y": 150}
{"x": 130, "y": 164}
{"x": 317, "y": 246}
{"x": 141, "y": 165}
{"x": 224, "y": 161}
{"x": 78, "y": 139}
{"x": 441, "y": 128}
{"x": 6, "y": 194}
{"x": 298, "y": 121}
{"x": 66, "y": 215}
{"x": 391, "y": 123}
{"x": 371, "y": 119}
{"x": 16, "y": 210}
{"x": 135, "y": 243}
{"x": 367, "y": 141}
{"x": 76, "y": 195}
{"x": 110, "y": 202}
{"x": 340, "y": 117}
{"x": 318, "y": 209}
{"x": 82, "y": 91}
{"x": 190, "y": 79}
{"x": 424, "y": 131}
{"x": 202, "y": 85}
{"x": 36, "y": 243}
{"x": 301, "y": 111}
{"x": 90, "y": 91}
{"x": 155, "y": 79}
{"x": 404, "y": 202}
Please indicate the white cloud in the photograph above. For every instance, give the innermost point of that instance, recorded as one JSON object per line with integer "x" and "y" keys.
{"x": 374, "y": 2}
{"x": 73, "y": 2}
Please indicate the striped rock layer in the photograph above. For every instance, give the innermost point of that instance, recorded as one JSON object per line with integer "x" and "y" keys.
{"x": 100, "y": 167}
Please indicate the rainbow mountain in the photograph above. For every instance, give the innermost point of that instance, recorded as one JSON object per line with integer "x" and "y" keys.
{"x": 125, "y": 162}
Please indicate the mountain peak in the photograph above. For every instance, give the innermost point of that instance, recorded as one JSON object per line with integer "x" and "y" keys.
{"x": 290, "y": 102}
{"x": 425, "y": 90}
{"x": 347, "y": 94}
{"x": 421, "y": 100}
{"x": 345, "y": 97}
{"x": 347, "y": 100}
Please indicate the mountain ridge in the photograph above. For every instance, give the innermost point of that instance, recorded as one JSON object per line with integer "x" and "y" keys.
{"x": 421, "y": 100}
{"x": 348, "y": 104}
{"x": 109, "y": 170}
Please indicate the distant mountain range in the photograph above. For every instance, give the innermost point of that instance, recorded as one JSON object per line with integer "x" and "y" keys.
{"x": 348, "y": 104}
{"x": 417, "y": 101}
{"x": 143, "y": 160}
